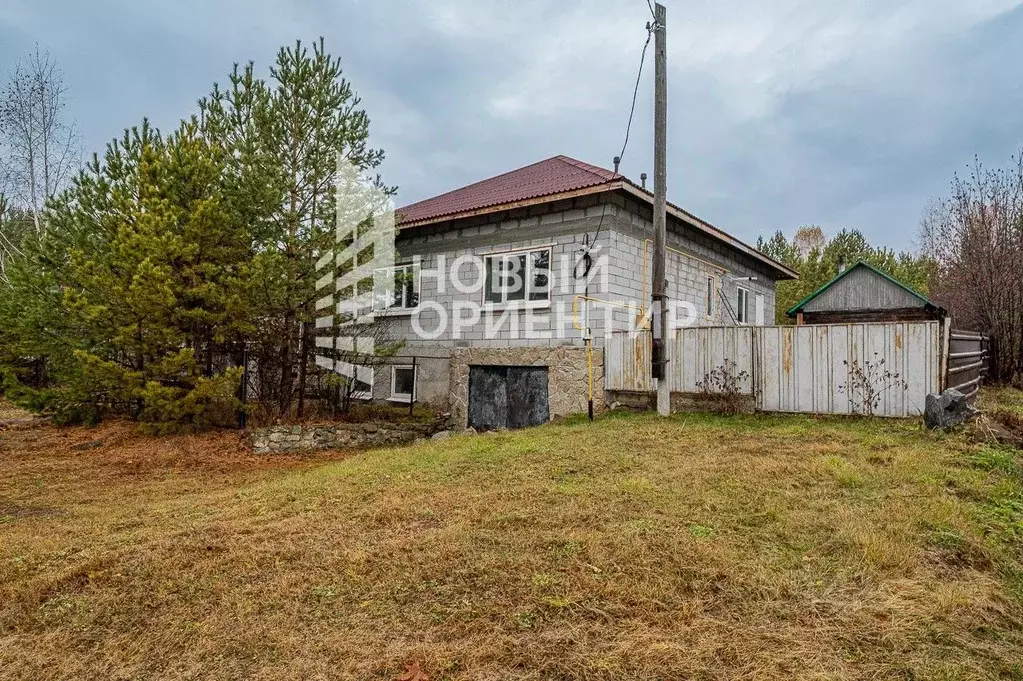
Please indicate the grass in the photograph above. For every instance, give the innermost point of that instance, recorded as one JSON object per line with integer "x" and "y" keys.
{"x": 1003, "y": 398}
{"x": 707, "y": 547}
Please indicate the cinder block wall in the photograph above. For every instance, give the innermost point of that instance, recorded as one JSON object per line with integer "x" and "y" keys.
{"x": 686, "y": 276}
{"x": 561, "y": 226}
{"x": 624, "y": 228}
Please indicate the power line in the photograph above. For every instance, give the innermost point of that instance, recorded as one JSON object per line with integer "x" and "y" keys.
{"x": 628, "y": 129}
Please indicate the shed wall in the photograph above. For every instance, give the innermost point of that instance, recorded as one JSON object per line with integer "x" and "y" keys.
{"x": 863, "y": 289}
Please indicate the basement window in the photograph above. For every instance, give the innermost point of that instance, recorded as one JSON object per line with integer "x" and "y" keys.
{"x": 403, "y": 383}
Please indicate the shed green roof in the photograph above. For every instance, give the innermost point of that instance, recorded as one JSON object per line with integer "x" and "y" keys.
{"x": 841, "y": 275}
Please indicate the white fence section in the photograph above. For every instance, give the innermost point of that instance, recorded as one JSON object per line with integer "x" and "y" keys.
{"x": 791, "y": 368}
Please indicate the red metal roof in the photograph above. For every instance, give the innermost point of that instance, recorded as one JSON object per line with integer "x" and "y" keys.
{"x": 553, "y": 176}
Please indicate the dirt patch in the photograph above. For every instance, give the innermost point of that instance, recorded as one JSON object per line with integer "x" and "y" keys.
{"x": 119, "y": 449}
{"x": 998, "y": 426}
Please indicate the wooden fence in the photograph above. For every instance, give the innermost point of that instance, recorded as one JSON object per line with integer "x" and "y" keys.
{"x": 794, "y": 368}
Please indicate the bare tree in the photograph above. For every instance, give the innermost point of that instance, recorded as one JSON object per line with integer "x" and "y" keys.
{"x": 39, "y": 147}
{"x": 808, "y": 238}
{"x": 976, "y": 237}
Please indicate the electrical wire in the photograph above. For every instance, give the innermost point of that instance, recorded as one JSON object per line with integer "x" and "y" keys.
{"x": 652, "y": 12}
{"x": 650, "y": 28}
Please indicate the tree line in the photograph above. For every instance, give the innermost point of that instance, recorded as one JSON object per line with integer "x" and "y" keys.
{"x": 975, "y": 236}
{"x": 969, "y": 261}
{"x": 817, "y": 258}
{"x": 133, "y": 285}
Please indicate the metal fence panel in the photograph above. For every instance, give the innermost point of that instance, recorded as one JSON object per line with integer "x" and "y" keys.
{"x": 967, "y": 362}
{"x": 792, "y": 368}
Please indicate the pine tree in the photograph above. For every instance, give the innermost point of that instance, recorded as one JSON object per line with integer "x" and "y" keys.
{"x": 149, "y": 278}
{"x": 288, "y": 133}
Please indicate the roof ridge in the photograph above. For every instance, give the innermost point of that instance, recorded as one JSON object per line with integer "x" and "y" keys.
{"x": 588, "y": 167}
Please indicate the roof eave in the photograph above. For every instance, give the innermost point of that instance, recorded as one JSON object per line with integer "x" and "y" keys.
{"x": 511, "y": 205}
{"x": 714, "y": 232}
{"x": 600, "y": 188}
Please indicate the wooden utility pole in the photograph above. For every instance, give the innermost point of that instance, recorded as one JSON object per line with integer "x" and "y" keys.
{"x": 662, "y": 337}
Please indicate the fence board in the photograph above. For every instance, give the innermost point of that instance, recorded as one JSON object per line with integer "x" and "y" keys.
{"x": 791, "y": 368}
{"x": 967, "y": 362}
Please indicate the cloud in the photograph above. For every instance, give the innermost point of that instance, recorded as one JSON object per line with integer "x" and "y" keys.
{"x": 780, "y": 114}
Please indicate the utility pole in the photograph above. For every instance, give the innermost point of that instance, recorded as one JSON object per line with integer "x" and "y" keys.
{"x": 661, "y": 335}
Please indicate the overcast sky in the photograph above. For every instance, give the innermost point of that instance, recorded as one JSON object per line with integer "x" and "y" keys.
{"x": 781, "y": 112}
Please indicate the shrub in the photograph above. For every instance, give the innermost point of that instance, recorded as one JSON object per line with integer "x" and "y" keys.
{"x": 868, "y": 383}
{"x": 726, "y": 384}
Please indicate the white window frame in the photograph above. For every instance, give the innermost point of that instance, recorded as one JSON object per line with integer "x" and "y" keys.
{"x": 712, "y": 292}
{"x": 396, "y": 397}
{"x": 404, "y": 309}
{"x": 525, "y": 303}
{"x": 742, "y": 310}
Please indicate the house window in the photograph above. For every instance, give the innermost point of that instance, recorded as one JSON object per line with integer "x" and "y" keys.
{"x": 403, "y": 383}
{"x": 519, "y": 278}
{"x": 711, "y": 290}
{"x": 396, "y": 288}
{"x": 742, "y": 306}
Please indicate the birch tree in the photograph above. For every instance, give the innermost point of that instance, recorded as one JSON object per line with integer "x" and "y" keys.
{"x": 39, "y": 145}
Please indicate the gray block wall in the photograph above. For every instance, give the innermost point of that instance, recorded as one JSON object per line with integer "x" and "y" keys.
{"x": 686, "y": 275}
{"x": 562, "y": 229}
{"x": 625, "y": 232}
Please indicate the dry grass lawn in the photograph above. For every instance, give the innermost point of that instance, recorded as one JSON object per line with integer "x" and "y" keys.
{"x": 763, "y": 547}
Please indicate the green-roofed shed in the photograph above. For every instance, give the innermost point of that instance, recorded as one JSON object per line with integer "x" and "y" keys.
{"x": 863, "y": 293}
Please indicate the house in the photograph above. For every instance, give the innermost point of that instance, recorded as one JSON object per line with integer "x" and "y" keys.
{"x": 863, "y": 293}
{"x": 504, "y": 290}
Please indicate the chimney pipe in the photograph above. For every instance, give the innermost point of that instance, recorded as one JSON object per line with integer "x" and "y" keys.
{"x": 841, "y": 265}
{"x": 642, "y": 179}
{"x": 618, "y": 159}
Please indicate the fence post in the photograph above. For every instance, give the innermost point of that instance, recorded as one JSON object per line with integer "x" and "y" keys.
{"x": 946, "y": 343}
{"x": 415, "y": 380}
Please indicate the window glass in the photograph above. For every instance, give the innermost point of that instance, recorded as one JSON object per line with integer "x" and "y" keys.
{"x": 540, "y": 275}
{"x": 404, "y": 382}
{"x": 741, "y": 307}
{"x": 518, "y": 277}
{"x": 515, "y": 277}
{"x": 396, "y": 288}
{"x": 493, "y": 284}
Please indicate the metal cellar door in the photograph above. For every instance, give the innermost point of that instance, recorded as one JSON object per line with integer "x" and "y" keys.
{"x": 507, "y": 397}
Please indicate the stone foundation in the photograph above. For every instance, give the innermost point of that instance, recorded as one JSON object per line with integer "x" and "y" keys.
{"x": 339, "y": 436}
{"x": 567, "y": 375}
